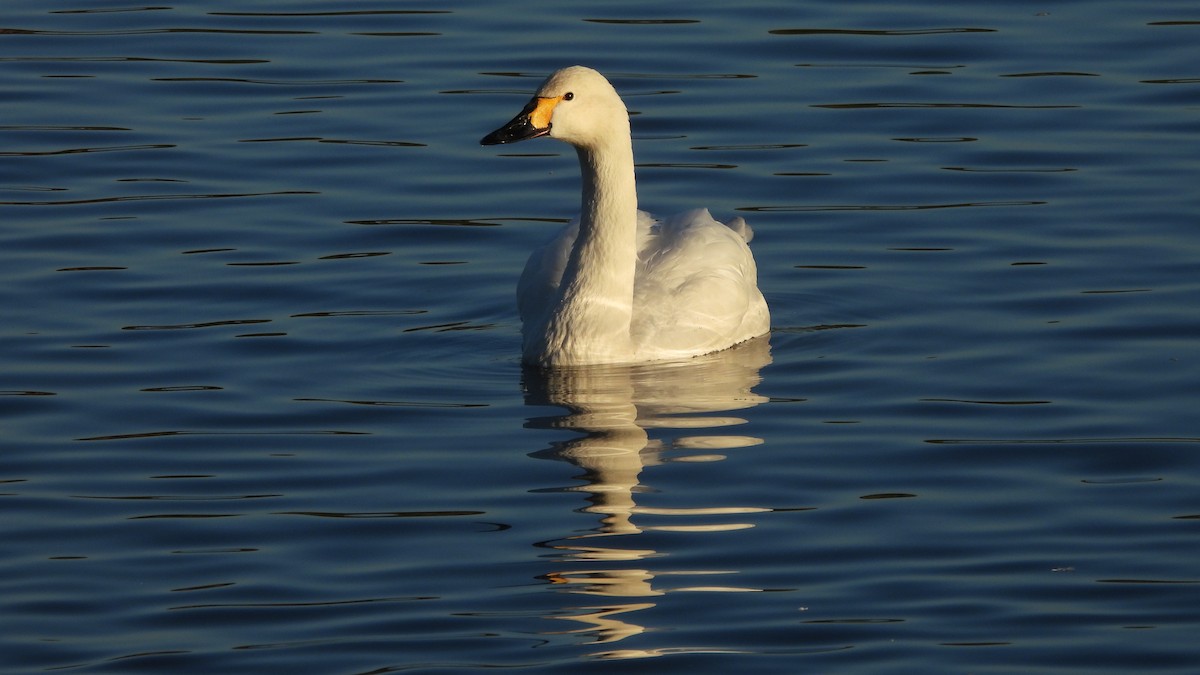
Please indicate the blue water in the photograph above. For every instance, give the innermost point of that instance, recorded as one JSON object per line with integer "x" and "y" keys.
{"x": 261, "y": 404}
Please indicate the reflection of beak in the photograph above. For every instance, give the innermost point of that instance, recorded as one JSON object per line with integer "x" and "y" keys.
{"x": 533, "y": 121}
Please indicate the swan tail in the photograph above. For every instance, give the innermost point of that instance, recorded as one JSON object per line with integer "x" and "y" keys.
{"x": 738, "y": 224}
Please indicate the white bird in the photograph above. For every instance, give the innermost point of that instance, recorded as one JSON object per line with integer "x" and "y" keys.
{"x": 616, "y": 286}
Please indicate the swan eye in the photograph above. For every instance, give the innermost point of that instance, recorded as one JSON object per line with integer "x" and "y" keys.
{"x": 568, "y": 96}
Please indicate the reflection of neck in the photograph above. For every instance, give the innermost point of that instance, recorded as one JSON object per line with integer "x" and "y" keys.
{"x": 600, "y": 400}
{"x": 595, "y": 308}
{"x": 613, "y": 461}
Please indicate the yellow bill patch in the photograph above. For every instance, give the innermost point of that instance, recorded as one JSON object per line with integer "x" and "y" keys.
{"x": 542, "y": 112}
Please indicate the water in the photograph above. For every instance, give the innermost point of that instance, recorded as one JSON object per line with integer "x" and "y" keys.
{"x": 262, "y": 405}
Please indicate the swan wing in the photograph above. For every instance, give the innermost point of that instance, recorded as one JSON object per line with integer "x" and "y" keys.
{"x": 696, "y": 288}
{"x": 695, "y": 285}
{"x": 543, "y": 272}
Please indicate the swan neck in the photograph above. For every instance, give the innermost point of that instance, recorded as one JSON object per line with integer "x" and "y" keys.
{"x": 609, "y": 198}
{"x": 606, "y": 252}
{"x": 592, "y": 317}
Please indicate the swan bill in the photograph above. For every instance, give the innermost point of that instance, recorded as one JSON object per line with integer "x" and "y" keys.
{"x": 532, "y": 122}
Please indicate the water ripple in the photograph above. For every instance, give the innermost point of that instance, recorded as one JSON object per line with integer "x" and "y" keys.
{"x": 171, "y": 197}
{"x": 149, "y": 31}
{"x": 166, "y": 434}
{"x": 878, "y": 33}
{"x": 206, "y": 324}
{"x": 75, "y": 151}
{"x": 982, "y": 106}
{"x": 886, "y": 207}
{"x": 382, "y": 514}
{"x": 301, "y": 83}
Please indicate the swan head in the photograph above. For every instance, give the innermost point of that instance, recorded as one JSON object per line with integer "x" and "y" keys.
{"x": 576, "y": 105}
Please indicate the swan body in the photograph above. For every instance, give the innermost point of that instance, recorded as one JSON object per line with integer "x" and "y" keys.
{"x": 615, "y": 285}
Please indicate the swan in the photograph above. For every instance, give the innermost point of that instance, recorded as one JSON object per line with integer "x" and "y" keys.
{"x": 617, "y": 286}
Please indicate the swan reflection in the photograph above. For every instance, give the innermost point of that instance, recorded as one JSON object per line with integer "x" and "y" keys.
{"x": 632, "y": 418}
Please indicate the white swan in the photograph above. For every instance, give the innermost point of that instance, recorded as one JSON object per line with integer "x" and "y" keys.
{"x": 615, "y": 286}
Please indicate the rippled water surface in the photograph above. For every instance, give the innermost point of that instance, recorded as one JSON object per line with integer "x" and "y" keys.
{"x": 261, "y": 405}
